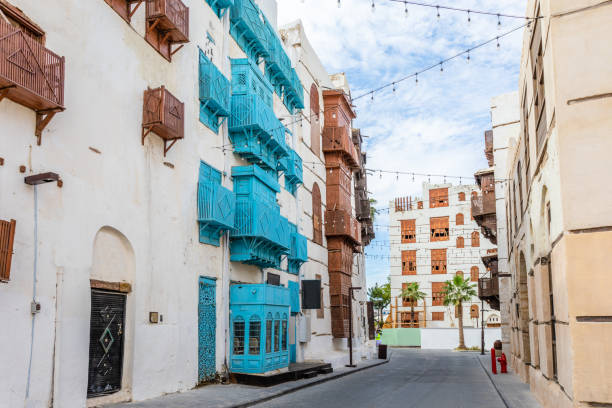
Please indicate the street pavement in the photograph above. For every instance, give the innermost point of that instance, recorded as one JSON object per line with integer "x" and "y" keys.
{"x": 417, "y": 379}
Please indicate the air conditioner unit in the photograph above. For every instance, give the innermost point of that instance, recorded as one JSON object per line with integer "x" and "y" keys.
{"x": 304, "y": 331}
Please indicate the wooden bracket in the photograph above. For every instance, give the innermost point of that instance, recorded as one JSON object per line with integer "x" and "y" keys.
{"x": 5, "y": 91}
{"x": 176, "y": 50}
{"x": 168, "y": 146}
{"x": 145, "y": 133}
{"x": 42, "y": 120}
{"x": 138, "y": 3}
{"x": 152, "y": 26}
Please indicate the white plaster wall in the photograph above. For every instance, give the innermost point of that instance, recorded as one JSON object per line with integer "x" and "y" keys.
{"x": 449, "y": 338}
{"x": 458, "y": 259}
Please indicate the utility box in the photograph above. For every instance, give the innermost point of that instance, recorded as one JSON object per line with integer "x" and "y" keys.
{"x": 304, "y": 331}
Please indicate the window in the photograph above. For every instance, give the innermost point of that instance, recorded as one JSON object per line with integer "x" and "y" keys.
{"x": 459, "y": 219}
{"x": 406, "y": 301}
{"x": 437, "y": 316}
{"x": 439, "y": 229}
{"x": 315, "y": 126}
{"x": 321, "y": 310}
{"x": 438, "y": 197}
{"x": 459, "y": 273}
{"x": 438, "y": 261}
{"x": 7, "y": 237}
{"x": 420, "y": 205}
{"x": 514, "y": 207}
{"x": 474, "y": 313}
{"x": 409, "y": 262}
{"x": 269, "y": 333}
{"x": 406, "y": 319}
{"x": 285, "y": 333}
{"x": 539, "y": 97}
{"x": 474, "y": 194}
{"x": 460, "y": 243}
{"x": 408, "y": 231}
{"x": 239, "y": 336}
{"x": 475, "y": 239}
{"x": 437, "y": 295}
{"x": 525, "y": 130}
{"x": 474, "y": 274}
{"x": 317, "y": 221}
{"x": 277, "y": 333}
{"x": 462, "y": 196}
{"x": 519, "y": 174}
{"x": 254, "y": 335}
{"x": 19, "y": 20}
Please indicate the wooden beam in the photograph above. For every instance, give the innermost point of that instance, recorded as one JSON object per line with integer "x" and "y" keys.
{"x": 42, "y": 120}
{"x": 176, "y": 50}
{"x": 5, "y": 91}
{"x": 138, "y": 3}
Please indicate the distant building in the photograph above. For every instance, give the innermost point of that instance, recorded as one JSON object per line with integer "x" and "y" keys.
{"x": 432, "y": 240}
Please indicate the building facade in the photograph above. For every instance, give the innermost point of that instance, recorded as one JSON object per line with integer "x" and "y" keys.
{"x": 558, "y": 212}
{"x": 161, "y": 199}
{"x": 431, "y": 240}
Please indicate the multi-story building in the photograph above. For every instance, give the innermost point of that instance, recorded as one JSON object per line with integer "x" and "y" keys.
{"x": 159, "y": 226}
{"x": 558, "y": 210}
{"x": 489, "y": 207}
{"x": 431, "y": 240}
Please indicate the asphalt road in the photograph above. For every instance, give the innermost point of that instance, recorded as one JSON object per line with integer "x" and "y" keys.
{"x": 413, "y": 378}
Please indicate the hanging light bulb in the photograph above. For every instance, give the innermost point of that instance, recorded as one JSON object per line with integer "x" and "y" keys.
{"x": 468, "y": 56}
{"x": 416, "y": 78}
{"x": 394, "y": 87}
{"x": 469, "y": 17}
{"x": 497, "y": 42}
{"x": 339, "y": 4}
{"x": 397, "y": 176}
{"x": 441, "y": 66}
{"x": 405, "y": 10}
{"x": 373, "y": 6}
{"x": 498, "y": 22}
{"x": 438, "y": 12}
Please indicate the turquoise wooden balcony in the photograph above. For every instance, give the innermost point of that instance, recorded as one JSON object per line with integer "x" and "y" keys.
{"x": 247, "y": 79}
{"x": 216, "y": 206}
{"x": 294, "y": 173}
{"x": 298, "y": 253}
{"x": 220, "y": 6}
{"x": 215, "y": 100}
{"x": 248, "y": 28}
{"x": 259, "y": 328}
{"x": 256, "y": 133}
{"x": 261, "y": 235}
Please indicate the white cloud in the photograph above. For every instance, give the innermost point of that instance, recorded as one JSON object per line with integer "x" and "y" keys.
{"x": 437, "y": 126}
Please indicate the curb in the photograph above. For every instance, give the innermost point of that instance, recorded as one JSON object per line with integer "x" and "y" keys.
{"x": 302, "y": 386}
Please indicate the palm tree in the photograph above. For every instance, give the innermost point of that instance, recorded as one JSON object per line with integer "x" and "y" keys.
{"x": 413, "y": 295}
{"x": 456, "y": 292}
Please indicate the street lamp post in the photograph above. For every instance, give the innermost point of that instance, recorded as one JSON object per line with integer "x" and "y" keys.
{"x": 482, "y": 344}
{"x": 350, "y": 339}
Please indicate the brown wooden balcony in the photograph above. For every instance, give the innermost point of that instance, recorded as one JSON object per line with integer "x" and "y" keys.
{"x": 342, "y": 223}
{"x": 483, "y": 204}
{"x": 163, "y": 114}
{"x": 338, "y": 140}
{"x": 488, "y": 287}
{"x": 489, "y": 147}
{"x": 30, "y": 75}
{"x": 167, "y": 24}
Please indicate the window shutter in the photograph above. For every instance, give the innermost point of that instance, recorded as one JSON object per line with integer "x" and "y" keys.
{"x": 438, "y": 261}
{"x": 474, "y": 274}
{"x": 408, "y": 230}
{"x": 475, "y": 239}
{"x": 7, "y": 237}
{"x": 437, "y": 297}
{"x": 460, "y": 243}
{"x": 459, "y": 219}
{"x": 315, "y": 127}
{"x": 317, "y": 221}
{"x": 474, "y": 313}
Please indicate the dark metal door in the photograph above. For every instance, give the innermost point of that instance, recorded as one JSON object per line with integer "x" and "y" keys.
{"x": 207, "y": 324}
{"x": 106, "y": 334}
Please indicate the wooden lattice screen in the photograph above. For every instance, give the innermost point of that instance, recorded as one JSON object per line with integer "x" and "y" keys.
{"x": 7, "y": 236}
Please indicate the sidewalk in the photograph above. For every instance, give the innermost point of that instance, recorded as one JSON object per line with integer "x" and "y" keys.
{"x": 513, "y": 392}
{"x": 238, "y": 395}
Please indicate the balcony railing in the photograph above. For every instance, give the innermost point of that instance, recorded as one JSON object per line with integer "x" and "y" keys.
{"x": 342, "y": 223}
{"x": 298, "y": 253}
{"x": 483, "y": 205}
{"x": 337, "y": 139}
{"x": 488, "y": 287}
{"x": 30, "y": 74}
{"x": 216, "y": 205}
{"x": 294, "y": 172}
{"x": 248, "y": 28}
{"x": 214, "y": 88}
{"x": 163, "y": 114}
{"x": 170, "y": 17}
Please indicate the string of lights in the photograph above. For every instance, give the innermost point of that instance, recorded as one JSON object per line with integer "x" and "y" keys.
{"x": 469, "y": 12}
{"x": 440, "y": 64}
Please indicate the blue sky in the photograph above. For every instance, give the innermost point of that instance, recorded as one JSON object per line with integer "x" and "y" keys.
{"x": 435, "y": 126}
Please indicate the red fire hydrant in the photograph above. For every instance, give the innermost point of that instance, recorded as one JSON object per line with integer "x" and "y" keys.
{"x": 503, "y": 363}
{"x": 493, "y": 362}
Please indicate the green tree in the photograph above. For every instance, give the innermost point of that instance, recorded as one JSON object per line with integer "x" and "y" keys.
{"x": 412, "y": 294}
{"x": 456, "y": 292}
{"x": 373, "y": 211}
{"x": 380, "y": 296}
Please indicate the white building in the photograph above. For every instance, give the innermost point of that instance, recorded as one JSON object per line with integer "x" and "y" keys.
{"x": 128, "y": 239}
{"x": 431, "y": 240}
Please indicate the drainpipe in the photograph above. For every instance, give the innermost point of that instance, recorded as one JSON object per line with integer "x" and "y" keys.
{"x": 27, "y": 395}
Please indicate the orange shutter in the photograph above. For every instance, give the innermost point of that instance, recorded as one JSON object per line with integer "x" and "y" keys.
{"x": 437, "y": 297}
{"x": 474, "y": 313}
{"x": 459, "y": 219}
{"x": 7, "y": 237}
{"x": 408, "y": 231}
{"x": 317, "y": 222}
{"x": 409, "y": 262}
{"x": 462, "y": 196}
{"x": 437, "y": 316}
{"x": 475, "y": 239}
{"x": 438, "y": 197}
{"x": 438, "y": 261}
{"x": 474, "y": 274}
{"x": 460, "y": 243}
{"x": 439, "y": 230}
